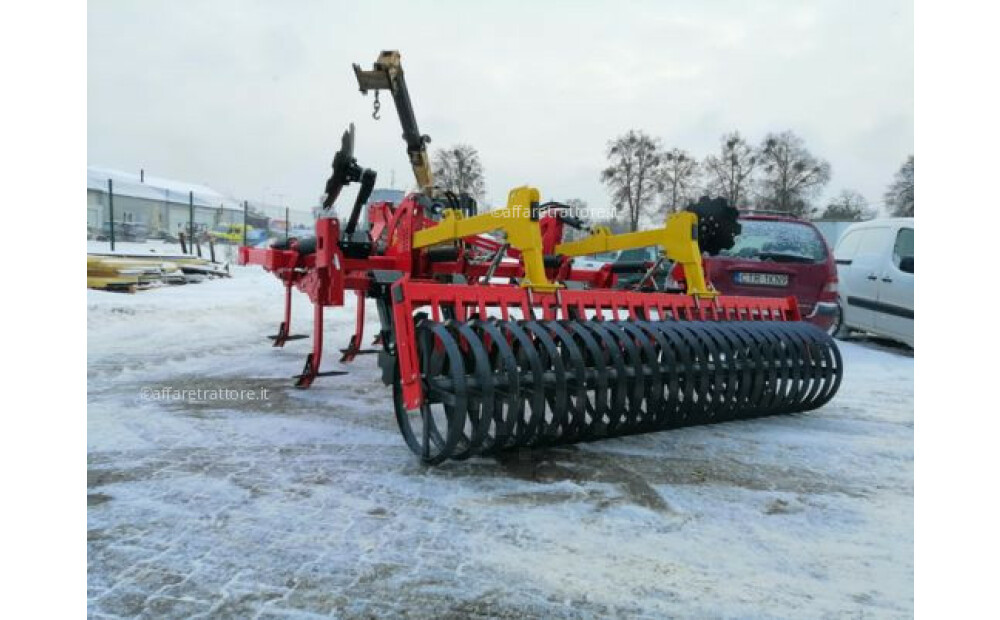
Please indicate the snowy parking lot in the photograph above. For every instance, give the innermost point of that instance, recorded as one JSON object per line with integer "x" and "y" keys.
{"x": 216, "y": 489}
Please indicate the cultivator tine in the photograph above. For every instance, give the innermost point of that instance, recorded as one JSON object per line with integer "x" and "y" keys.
{"x": 305, "y": 379}
{"x": 283, "y": 336}
{"x": 353, "y": 350}
{"x": 311, "y": 369}
{"x": 309, "y": 373}
{"x": 354, "y": 345}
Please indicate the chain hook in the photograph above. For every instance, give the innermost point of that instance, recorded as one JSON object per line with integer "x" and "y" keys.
{"x": 377, "y": 106}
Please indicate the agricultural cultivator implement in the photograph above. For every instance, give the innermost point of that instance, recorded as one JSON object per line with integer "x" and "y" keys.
{"x": 491, "y": 339}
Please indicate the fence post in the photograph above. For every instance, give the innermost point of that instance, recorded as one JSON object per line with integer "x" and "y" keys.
{"x": 244, "y": 222}
{"x": 191, "y": 217}
{"x": 111, "y": 213}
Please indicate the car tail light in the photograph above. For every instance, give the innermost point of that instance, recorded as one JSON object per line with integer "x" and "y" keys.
{"x": 829, "y": 291}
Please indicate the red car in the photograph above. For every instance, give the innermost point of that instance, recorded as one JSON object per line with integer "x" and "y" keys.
{"x": 776, "y": 256}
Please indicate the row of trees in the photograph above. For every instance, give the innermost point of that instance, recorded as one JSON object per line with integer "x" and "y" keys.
{"x": 779, "y": 174}
{"x": 849, "y": 205}
{"x": 899, "y": 197}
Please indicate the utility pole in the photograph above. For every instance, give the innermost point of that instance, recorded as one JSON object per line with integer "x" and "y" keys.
{"x": 244, "y": 222}
{"x": 191, "y": 218}
{"x": 111, "y": 213}
{"x": 287, "y": 224}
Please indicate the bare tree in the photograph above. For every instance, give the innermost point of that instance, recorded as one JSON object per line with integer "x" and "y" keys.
{"x": 459, "y": 170}
{"x": 730, "y": 174}
{"x": 792, "y": 176}
{"x": 680, "y": 178}
{"x": 848, "y": 206}
{"x": 899, "y": 196}
{"x": 634, "y": 174}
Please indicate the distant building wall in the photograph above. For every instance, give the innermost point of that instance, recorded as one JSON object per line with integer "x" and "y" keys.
{"x": 395, "y": 196}
{"x": 127, "y": 209}
{"x": 156, "y": 215}
{"x": 94, "y": 209}
{"x": 163, "y": 205}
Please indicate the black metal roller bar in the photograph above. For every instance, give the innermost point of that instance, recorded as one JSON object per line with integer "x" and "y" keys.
{"x": 492, "y": 385}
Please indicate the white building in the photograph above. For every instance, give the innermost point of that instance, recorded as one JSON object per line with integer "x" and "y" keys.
{"x": 164, "y": 205}
{"x": 161, "y": 205}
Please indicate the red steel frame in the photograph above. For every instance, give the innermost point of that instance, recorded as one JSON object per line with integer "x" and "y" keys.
{"x": 327, "y": 273}
{"x": 410, "y": 295}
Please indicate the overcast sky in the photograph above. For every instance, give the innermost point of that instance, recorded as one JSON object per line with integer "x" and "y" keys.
{"x": 251, "y": 97}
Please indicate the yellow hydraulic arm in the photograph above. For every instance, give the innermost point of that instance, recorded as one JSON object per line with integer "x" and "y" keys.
{"x": 678, "y": 240}
{"x": 515, "y": 220}
{"x": 387, "y": 74}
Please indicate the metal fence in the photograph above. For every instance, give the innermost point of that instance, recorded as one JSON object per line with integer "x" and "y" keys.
{"x": 137, "y": 213}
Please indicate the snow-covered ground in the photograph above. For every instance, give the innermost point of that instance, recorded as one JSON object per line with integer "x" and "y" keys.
{"x": 307, "y": 503}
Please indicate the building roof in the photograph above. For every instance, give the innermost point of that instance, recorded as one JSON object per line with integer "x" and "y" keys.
{"x": 382, "y": 194}
{"x": 156, "y": 188}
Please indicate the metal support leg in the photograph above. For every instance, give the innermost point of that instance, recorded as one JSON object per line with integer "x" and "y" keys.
{"x": 283, "y": 336}
{"x": 311, "y": 369}
{"x": 354, "y": 346}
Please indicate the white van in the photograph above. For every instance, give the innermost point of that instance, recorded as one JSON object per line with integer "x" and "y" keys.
{"x": 875, "y": 269}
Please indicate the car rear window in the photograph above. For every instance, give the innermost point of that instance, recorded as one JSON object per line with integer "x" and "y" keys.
{"x": 636, "y": 254}
{"x": 778, "y": 241}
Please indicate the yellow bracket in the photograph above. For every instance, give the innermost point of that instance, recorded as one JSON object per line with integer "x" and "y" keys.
{"x": 515, "y": 220}
{"x": 678, "y": 240}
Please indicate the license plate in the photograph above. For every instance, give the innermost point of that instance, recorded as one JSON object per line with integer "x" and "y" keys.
{"x": 761, "y": 279}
